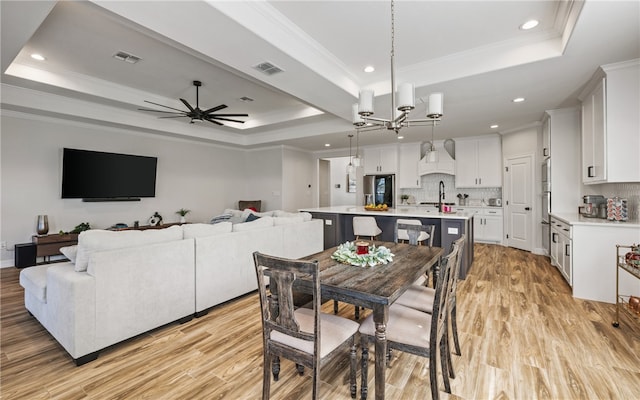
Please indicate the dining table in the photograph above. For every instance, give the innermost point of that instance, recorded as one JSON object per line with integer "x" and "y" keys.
{"x": 373, "y": 287}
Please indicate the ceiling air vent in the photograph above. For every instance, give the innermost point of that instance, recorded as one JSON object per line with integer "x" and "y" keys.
{"x": 267, "y": 68}
{"x": 124, "y": 56}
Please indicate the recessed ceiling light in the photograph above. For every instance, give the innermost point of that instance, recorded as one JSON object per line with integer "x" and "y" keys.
{"x": 369, "y": 68}
{"x": 400, "y": 137}
{"x": 38, "y": 57}
{"x": 494, "y": 126}
{"x": 518, "y": 100}
{"x": 532, "y": 23}
{"x": 327, "y": 145}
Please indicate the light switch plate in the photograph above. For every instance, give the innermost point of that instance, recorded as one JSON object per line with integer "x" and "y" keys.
{"x": 452, "y": 231}
{"x": 328, "y": 222}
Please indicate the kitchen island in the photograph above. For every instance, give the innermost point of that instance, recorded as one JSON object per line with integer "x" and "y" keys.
{"x": 338, "y": 226}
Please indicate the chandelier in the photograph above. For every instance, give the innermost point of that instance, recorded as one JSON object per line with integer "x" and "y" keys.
{"x": 405, "y": 96}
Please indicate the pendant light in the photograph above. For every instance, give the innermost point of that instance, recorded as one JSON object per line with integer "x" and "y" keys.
{"x": 432, "y": 155}
{"x": 351, "y": 169}
{"x": 357, "y": 161}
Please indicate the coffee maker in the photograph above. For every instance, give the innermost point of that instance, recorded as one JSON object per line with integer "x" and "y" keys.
{"x": 592, "y": 206}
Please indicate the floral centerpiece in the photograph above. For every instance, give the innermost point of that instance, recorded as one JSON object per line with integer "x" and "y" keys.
{"x": 346, "y": 254}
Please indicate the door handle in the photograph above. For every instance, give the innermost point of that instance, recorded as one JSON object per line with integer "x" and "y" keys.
{"x": 553, "y": 237}
{"x": 590, "y": 172}
{"x": 527, "y": 208}
{"x": 566, "y": 250}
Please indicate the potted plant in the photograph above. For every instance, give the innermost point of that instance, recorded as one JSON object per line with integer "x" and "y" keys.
{"x": 182, "y": 213}
{"x": 404, "y": 198}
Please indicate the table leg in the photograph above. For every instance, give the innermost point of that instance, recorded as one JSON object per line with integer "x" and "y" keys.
{"x": 380, "y": 318}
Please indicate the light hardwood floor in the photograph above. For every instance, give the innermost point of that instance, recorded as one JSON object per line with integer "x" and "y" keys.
{"x": 523, "y": 337}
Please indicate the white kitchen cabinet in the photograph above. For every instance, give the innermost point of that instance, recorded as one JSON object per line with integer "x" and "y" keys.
{"x": 478, "y": 162}
{"x": 380, "y": 160}
{"x": 487, "y": 223}
{"x": 561, "y": 248}
{"x": 610, "y": 124}
{"x": 408, "y": 160}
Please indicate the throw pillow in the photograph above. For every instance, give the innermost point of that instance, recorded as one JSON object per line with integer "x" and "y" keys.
{"x": 70, "y": 252}
{"x": 252, "y": 217}
{"x": 221, "y": 218}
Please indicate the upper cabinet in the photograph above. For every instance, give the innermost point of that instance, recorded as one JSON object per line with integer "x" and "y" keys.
{"x": 380, "y": 160}
{"x": 409, "y": 157}
{"x": 610, "y": 124}
{"x": 478, "y": 162}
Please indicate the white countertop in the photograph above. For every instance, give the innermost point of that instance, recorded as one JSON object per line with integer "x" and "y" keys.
{"x": 577, "y": 219}
{"x": 401, "y": 211}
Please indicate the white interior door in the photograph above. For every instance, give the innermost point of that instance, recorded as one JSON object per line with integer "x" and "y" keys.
{"x": 519, "y": 198}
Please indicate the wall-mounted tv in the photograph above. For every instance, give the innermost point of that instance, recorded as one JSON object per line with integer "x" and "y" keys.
{"x": 99, "y": 176}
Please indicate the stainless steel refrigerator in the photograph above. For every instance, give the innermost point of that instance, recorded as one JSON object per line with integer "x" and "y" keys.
{"x": 382, "y": 187}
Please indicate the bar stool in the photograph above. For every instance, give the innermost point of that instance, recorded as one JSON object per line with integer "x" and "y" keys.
{"x": 365, "y": 226}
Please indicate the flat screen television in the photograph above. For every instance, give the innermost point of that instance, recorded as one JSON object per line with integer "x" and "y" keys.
{"x": 99, "y": 176}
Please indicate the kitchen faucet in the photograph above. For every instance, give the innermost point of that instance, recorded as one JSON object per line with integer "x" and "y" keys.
{"x": 440, "y": 195}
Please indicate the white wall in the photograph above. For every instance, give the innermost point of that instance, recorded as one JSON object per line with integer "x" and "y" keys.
{"x": 339, "y": 195}
{"x": 204, "y": 178}
{"x": 298, "y": 177}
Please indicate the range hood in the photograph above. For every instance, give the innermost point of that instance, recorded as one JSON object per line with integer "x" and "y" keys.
{"x": 445, "y": 164}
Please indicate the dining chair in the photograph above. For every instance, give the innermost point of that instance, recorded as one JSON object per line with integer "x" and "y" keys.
{"x": 305, "y": 336}
{"x": 416, "y": 332}
{"x": 365, "y": 226}
{"x": 403, "y": 233}
{"x": 422, "y": 298}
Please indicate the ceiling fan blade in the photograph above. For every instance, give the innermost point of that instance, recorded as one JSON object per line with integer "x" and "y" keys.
{"x": 210, "y": 120}
{"x": 225, "y": 119}
{"x": 214, "y": 109}
{"x": 151, "y": 102}
{"x": 160, "y": 111}
{"x": 228, "y": 115}
{"x": 186, "y": 103}
{"x": 174, "y": 116}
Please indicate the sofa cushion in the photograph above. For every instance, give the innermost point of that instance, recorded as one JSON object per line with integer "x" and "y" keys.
{"x": 34, "y": 281}
{"x": 70, "y": 252}
{"x": 204, "y": 230}
{"x": 257, "y": 224}
{"x": 288, "y": 220}
{"x": 97, "y": 240}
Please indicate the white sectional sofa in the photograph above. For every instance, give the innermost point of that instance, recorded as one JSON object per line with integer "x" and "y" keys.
{"x": 121, "y": 284}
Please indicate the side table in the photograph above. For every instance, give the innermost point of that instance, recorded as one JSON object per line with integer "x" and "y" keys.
{"x": 49, "y": 245}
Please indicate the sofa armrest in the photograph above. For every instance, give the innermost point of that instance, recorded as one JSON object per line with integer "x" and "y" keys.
{"x": 71, "y": 306}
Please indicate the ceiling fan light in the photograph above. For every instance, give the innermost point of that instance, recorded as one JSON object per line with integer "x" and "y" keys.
{"x": 432, "y": 155}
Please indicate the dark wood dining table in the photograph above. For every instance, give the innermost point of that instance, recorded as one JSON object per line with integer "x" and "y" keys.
{"x": 374, "y": 288}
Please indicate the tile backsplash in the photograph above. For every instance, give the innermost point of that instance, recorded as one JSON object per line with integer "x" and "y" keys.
{"x": 429, "y": 190}
{"x": 629, "y": 191}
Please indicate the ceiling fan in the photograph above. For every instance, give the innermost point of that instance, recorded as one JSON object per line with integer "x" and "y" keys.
{"x": 196, "y": 114}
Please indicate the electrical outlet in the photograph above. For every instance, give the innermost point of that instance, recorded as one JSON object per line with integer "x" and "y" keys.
{"x": 3, "y": 245}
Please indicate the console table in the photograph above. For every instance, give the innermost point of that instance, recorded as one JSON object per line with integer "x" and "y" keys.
{"x": 49, "y": 245}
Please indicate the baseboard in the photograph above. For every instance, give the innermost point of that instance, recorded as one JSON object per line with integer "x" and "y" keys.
{"x": 7, "y": 263}
{"x": 540, "y": 251}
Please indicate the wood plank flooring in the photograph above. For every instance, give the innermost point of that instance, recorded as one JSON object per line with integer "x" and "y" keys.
{"x": 522, "y": 334}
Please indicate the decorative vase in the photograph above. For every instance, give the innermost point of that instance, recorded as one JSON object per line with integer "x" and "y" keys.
{"x": 183, "y": 219}
{"x": 43, "y": 225}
